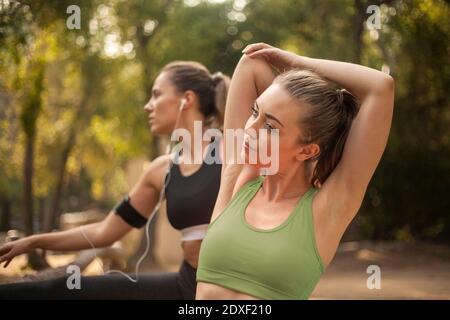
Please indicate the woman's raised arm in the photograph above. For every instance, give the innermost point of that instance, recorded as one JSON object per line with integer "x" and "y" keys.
{"x": 250, "y": 78}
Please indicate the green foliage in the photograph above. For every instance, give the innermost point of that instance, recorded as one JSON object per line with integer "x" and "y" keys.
{"x": 408, "y": 197}
{"x": 97, "y": 80}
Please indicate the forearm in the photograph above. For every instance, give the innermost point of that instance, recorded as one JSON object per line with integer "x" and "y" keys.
{"x": 250, "y": 78}
{"x": 359, "y": 80}
{"x": 260, "y": 73}
{"x": 144, "y": 197}
{"x": 69, "y": 240}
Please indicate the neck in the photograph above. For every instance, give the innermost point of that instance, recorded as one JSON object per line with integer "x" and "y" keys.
{"x": 286, "y": 184}
{"x": 194, "y": 123}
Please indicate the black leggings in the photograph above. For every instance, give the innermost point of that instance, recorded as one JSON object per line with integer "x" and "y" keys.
{"x": 179, "y": 285}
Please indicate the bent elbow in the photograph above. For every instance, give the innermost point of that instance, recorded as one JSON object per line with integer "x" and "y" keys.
{"x": 389, "y": 83}
{"x": 386, "y": 85}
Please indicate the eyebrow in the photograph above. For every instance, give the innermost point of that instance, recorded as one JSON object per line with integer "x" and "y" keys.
{"x": 270, "y": 116}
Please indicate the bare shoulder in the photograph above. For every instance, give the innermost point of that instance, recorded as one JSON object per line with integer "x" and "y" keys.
{"x": 154, "y": 173}
{"x": 248, "y": 173}
{"x": 233, "y": 178}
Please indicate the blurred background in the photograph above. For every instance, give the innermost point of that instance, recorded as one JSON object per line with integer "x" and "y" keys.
{"x": 74, "y": 136}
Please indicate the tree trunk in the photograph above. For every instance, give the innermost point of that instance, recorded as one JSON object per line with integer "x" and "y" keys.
{"x": 41, "y": 213}
{"x": 36, "y": 261}
{"x": 358, "y": 29}
{"x": 28, "y": 186}
{"x": 5, "y": 222}
{"x": 51, "y": 217}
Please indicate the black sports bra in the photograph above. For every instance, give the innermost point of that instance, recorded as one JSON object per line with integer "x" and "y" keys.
{"x": 191, "y": 199}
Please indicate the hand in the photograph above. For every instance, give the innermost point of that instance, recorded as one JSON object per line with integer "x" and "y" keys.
{"x": 280, "y": 59}
{"x": 14, "y": 248}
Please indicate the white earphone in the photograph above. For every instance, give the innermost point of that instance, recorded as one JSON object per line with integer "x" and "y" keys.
{"x": 183, "y": 102}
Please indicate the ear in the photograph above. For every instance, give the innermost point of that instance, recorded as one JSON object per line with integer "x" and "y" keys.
{"x": 190, "y": 97}
{"x": 308, "y": 151}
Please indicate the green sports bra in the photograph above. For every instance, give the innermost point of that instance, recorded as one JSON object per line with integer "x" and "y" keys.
{"x": 279, "y": 263}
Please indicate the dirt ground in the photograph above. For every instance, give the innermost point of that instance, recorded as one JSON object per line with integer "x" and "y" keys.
{"x": 408, "y": 271}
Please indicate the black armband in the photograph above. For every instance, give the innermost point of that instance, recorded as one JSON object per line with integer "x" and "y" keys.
{"x": 129, "y": 214}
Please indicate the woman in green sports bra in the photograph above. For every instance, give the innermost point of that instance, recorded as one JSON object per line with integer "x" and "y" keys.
{"x": 271, "y": 236}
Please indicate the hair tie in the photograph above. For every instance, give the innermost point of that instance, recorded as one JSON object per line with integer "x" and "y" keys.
{"x": 217, "y": 78}
{"x": 340, "y": 94}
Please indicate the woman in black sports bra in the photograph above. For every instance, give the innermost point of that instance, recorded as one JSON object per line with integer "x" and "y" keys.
{"x": 183, "y": 93}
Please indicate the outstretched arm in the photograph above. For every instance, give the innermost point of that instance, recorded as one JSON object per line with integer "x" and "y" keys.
{"x": 143, "y": 197}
